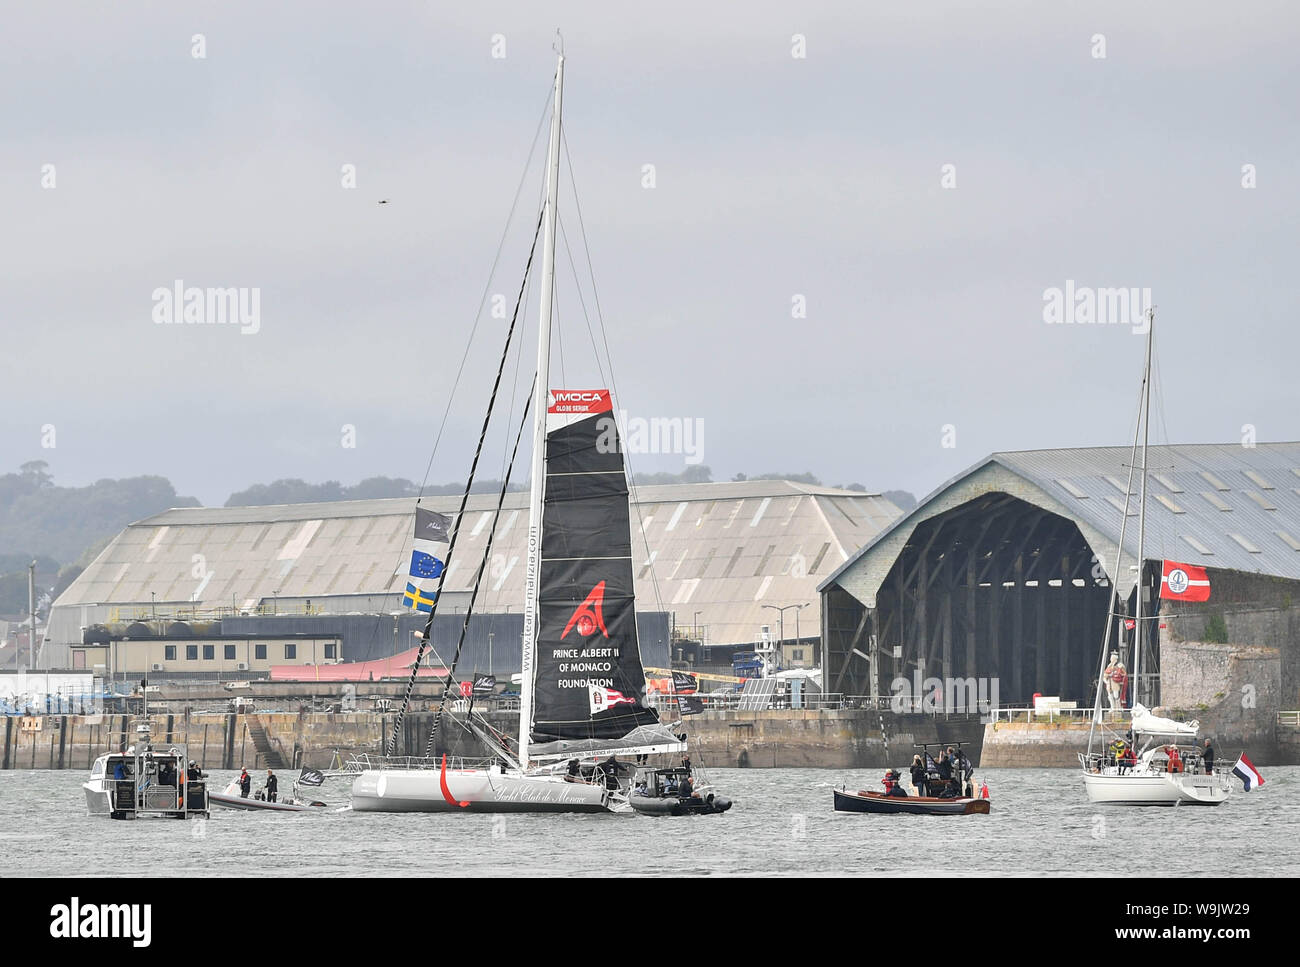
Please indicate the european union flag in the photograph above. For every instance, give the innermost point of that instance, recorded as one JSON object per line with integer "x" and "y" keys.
{"x": 417, "y": 599}
{"x": 424, "y": 565}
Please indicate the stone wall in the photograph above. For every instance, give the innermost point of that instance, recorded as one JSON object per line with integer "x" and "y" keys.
{"x": 1234, "y": 691}
{"x": 1035, "y": 745}
{"x": 1258, "y": 610}
{"x": 839, "y": 739}
{"x": 220, "y": 741}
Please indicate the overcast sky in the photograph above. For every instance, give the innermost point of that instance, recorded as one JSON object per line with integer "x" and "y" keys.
{"x": 776, "y": 176}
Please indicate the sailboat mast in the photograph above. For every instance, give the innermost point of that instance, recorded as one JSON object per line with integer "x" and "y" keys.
{"x": 540, "y": 394}
{"x": 1142, "y": 511}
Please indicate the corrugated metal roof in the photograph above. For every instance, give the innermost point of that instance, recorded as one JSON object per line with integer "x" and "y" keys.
{"x": 722, "y": 549}
{"x": 1206, "y": 478}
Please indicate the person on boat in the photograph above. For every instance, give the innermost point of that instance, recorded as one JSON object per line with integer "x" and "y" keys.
{"x": 610, "y": 768}
{"x": 245, "y": 784}
{"x": 1175, "y": 760}
{"x": 685, "y": 787}
{"x": 193, "y": 773}
{"x": 119, "y": 771}
{"x": 951, "y": 791}
{"x": 945, "y": 767}
{"x": 893, "y": 787}
{"x": 918, "y": 775}
{"x": 1208, "y": 758}
{"x": 1118, "y": 751}
{"x": 686, "y": 764}
{"x": 574, "y": 774}
{"x": 272, "y": 785}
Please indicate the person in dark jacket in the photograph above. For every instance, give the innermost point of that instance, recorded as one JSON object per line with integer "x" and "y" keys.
{"x": 193, "y": 773}
{"x": 945, "y": 767}
{"x": 918, "y": 775}
{"x": 893, "y": 787}
{"x": 1208, "y": 758}
{"x": 245, "y": 784}
{"x": 272, "y": 784}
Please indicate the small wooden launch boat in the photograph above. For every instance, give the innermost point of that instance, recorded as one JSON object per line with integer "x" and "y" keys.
{"x": 878, "y": 802}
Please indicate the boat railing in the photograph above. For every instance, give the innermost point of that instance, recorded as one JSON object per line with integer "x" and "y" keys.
{"x": 364, "y": 762}
{"x": 1054, "y": 713}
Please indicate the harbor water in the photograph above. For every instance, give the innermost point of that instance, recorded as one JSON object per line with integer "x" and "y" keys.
{"x": 782, "y": 824}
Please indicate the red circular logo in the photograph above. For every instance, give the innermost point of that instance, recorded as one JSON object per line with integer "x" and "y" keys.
{"x": 466, "y": 689}
{"x": 585, "y": 625}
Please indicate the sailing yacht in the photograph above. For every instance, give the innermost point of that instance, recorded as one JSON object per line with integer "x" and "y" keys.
{"x": 1163, "y": 766}
{"x": 583, "y": 684}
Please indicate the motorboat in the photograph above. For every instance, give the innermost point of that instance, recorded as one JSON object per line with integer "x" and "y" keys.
{"x": 673, "y": 792}
{"x": 145, "y": 782}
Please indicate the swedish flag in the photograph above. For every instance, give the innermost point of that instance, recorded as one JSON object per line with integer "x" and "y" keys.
{"x": 417, "y": 599}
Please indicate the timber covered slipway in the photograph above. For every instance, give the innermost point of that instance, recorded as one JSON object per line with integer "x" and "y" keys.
{"x": 1004, "y": 573}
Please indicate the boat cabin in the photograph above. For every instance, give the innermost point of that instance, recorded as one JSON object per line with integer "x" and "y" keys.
{"x": 665, "y": 782}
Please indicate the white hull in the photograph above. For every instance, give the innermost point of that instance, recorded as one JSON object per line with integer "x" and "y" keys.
{"x": 96, "y": 797}
{"x": 1156, "y": 789}
{"x": 473, "y": 791}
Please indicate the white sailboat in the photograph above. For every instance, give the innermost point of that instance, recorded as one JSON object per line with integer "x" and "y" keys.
{"x": 583, "y": 685}
{"x": 1162, "y": 764}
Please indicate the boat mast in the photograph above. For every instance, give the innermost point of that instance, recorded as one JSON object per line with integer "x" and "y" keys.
{"x": 540, "y": 393}
{"x": 1142, "y": 510}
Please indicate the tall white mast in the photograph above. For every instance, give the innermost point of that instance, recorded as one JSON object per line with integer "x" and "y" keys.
{"x": 540, "y": 395}
{"x": 1142, "y": 509}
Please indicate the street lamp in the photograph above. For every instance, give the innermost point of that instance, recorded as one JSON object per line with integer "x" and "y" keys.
{"x": 781, "y": 610}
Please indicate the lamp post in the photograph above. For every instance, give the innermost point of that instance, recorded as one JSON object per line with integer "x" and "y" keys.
{"x": 781, "y": 610}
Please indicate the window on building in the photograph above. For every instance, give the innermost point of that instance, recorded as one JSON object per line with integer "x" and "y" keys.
{"x": 796, "y": 654}
{"x": 230, "y": 652}
{"x": 191, "y": 652}
{"x": 259, "y": 652}
{"x": 209, "y": 652}
{"x": 169, "y": 652}
{"x": 290, "y": 651}
{"x": 330, "y": 651}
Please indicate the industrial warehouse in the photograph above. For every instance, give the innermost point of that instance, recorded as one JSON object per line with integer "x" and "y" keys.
{"x": 1003, "y": 573}
{"x": 215, "y": 592}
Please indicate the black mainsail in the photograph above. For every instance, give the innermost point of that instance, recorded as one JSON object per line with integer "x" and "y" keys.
{"x": 588, "y": 680}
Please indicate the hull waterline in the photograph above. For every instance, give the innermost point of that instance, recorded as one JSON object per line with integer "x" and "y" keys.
{"x": 473, "y": 791}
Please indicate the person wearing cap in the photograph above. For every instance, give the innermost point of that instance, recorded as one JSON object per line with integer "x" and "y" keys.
{"x": 892, "y": 785}
{"x": 193, "y": 772}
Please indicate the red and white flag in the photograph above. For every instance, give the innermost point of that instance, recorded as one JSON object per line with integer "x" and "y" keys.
{"x": 1184, "y": 582}
{"x": 603, "y": 698}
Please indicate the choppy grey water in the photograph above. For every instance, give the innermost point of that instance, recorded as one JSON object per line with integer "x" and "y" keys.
{"x": 782, "y": 824}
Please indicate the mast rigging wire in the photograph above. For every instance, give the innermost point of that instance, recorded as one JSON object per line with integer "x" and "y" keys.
{"x": 469, "y": 484}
